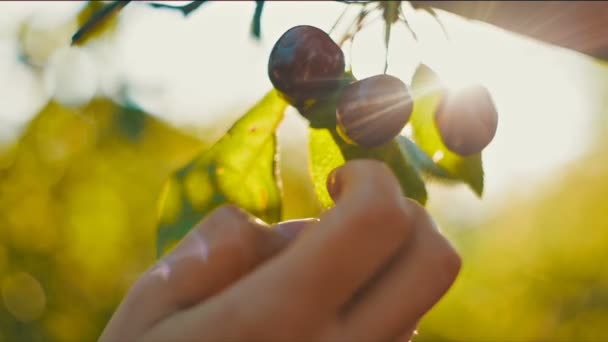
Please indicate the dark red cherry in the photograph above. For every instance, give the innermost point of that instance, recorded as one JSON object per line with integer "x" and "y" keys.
{"x": 305, "y": 64}
{"x": 373, "y": 111}
{"x": 467, "y": 119}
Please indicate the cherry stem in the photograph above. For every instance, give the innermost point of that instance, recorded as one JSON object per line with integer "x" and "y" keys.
{"x": 388, "y": 34}
{"x": 357, "y": 23}
{"x": 433, "y": 13}
{"x": 355, "y": 2}
{"x": 331, "y": 30}
{"x": 403, "y": 19}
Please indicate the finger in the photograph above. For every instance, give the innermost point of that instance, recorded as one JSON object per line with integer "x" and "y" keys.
{"x": 222, "y": 248}
{"x": 304, "y": 288}
{"x": 352, "y": 240}
{"x": 408, "y": 288}
{"x": 291, "y": 229}
{"x": 321, "y": 270}
{"x": 407, "y": 336}
{"x": 227, "y": 245}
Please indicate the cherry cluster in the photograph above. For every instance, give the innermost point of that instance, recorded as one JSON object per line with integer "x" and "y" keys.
{"x": 307, "y": 66}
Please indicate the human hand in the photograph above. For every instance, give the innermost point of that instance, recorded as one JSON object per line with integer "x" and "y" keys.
{"x": 369, "y": 269}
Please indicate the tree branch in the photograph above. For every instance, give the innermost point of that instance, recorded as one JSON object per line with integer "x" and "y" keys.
{"x": 355, "y": 2}
{"x": 97, "y": 19}
{"x": 577, "y": 25}
{"x": 256, "y": 22}
{"x": 185, "y": 9}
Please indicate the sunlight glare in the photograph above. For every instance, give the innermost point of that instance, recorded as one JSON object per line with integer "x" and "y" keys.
{"x": 546, "y": 98}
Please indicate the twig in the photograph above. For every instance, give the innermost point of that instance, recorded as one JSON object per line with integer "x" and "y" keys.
{"x": 331, "y": 30}
{"x": 387, "y": 41}
{"x": 97, "y": 19}
{"x": 358, "y": 23}
{"x": 432, "y": 12}
{"x": 185, "y": 9}
{"x": 407, "y": 24}
{"x": 350, "y": 36}
{"x": 355, "y": 2}
{"x": 256, "y": 22}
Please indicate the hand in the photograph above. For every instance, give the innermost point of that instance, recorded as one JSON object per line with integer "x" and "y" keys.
{"x": 367, "y": 270}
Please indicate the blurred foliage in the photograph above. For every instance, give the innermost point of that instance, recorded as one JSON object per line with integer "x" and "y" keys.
{"x": 537, "y": 270}
{"x": 77, "y": 202}
{"x": 94, "y": 20}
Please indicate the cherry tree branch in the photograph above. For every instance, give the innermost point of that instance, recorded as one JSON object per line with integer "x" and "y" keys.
{"x": 576, "y": 25}
{"x": 185, "y": 9}
{"x": 97, "y": 19}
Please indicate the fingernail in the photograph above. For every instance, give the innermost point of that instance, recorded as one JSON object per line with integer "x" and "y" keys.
{"x": 291, "y": 229}
{"x": 333, "y": 184}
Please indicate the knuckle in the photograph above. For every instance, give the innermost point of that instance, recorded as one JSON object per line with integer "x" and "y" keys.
{"x": 152, "y": 280}
{"x": 241, "y": 240}
{"x": 386, "y": 207}
{"x": 245, "y": 236}
{"x": 233, "y": 233}
{"x": 228, "y": 211}
{"x": 448, "y": 262}
{"x": 383, "y": 174}
{"x": 244, "y": 241}
{"x": 445, "y": 258}
{"x": 385, "y": 215}
{"x": 221, "y": 219}
{"x": 388, "y": 210}
{"x": 229, "y": 223}
{"x": 453, "y": 262}
{"x": 381, "y": 186}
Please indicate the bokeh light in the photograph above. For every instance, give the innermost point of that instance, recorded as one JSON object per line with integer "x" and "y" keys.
{"x": 23, "y": 296}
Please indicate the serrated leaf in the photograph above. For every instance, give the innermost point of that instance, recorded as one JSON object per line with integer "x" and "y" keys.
{"x": 239, "y": 169}
{"x": 328, "y": 150}
{"x": 427, "y": 91}
{"x": 131, "y": 121}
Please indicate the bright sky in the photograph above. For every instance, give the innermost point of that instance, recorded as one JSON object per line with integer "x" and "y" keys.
{"x": 206, "y": 70}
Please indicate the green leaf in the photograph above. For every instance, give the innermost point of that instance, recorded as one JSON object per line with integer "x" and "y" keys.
{"x": 328, "y": 151}
{"x": 239, "y": 169}
{"x": 419, "y": 159}
{"x": 325, "y": 155}
{"x": 131, "y": 121}
{"x": 427, "y": 91}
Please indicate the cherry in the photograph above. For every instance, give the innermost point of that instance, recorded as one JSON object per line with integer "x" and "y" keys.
{"x": 305, "y": 64}
{"x": 467, "y": 120}
{"x": 372, "y": 111}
